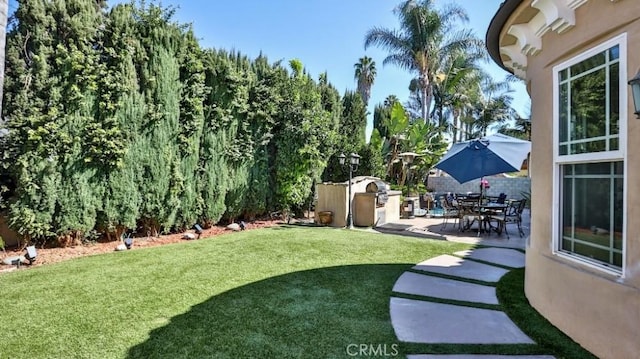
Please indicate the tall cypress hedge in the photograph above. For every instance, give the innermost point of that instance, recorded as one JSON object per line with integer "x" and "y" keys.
{"x": 119, "y": 121}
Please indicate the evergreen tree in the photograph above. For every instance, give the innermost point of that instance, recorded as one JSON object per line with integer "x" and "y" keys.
{"x": 354, "y": 120}
{"x": 121, "y": 100}
{"x": 160, "y": 84}
{"x": 192, "y": 96}
{"x": 240, "y": 153}
{"x": 56, "y": 70}
{"x": 351, "y": 135}
{"x": 304, "y": 138}
{"x": 264, "y": 103}
{"x": 223, "y": 154}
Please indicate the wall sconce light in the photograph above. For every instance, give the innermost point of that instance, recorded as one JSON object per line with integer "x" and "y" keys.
{"x": 635, "y": 91}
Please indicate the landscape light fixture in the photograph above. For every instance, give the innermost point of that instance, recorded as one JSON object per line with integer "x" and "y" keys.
{"x": 407, "y": 160}
{"x": 354, "y": 161}
{"x": 31, "y": 254}
{"x": 198, "y": 230}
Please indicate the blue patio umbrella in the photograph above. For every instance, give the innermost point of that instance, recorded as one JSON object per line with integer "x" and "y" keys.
{"x": 486, "y": 156}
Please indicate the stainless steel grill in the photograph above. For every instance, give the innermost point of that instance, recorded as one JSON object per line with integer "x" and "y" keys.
{"x": 380, "y": 189}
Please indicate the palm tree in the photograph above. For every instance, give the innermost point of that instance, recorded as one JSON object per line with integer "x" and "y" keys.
{"x": 365, "y": 75}
{"x": 493, "y": 106}
{"x": 521, "y": 128}
{"x": 390, "y": 100}
{"x": 425, "y": 33}
{"x": 457, "y": 73}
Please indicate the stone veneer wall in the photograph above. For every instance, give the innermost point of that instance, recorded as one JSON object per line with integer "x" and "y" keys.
{"x": 512, "y": 187}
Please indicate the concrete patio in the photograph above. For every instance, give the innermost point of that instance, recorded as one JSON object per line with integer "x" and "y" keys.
{"x": 432, "y": 227}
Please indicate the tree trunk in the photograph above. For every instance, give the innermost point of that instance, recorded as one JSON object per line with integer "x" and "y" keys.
{"x": 424, "y": 106}
{"x": 426, "y": 98}
{"x": 4, "y": 12}
{"x": 456, "y": 114}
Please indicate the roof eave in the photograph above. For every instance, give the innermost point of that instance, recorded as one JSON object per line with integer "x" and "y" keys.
{"x": 492, "y": 40}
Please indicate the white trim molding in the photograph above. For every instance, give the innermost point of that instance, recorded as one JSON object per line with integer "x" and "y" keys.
{"x": 518, "y": 59}
{"x": 553, "y": 15}
{"x": 528, "y": 42}
{"x": 557, "y": 13}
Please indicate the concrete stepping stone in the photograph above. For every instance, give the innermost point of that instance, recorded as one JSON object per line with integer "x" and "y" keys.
{"x": 458, "y": 267}
{"x": 418, "y": 321}
{"x": 477, "y": 356}
{"x": 503, "y": 256}
{"x": 421, "y": 284}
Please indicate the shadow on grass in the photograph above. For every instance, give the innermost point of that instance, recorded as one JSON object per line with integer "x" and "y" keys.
{"x": 310, "y": 314}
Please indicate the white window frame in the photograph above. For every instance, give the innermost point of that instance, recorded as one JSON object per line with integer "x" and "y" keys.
{"x": 608, "y": 156}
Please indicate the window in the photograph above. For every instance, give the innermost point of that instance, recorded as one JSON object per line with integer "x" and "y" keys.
{"x": 589, "y": 155}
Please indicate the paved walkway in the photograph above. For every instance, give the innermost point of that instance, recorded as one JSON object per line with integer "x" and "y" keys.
{"x": 467, "y": 284}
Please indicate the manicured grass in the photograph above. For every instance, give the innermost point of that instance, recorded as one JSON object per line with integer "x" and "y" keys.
{"x": 286, "y": 292}
{"x": 510, "y": 291}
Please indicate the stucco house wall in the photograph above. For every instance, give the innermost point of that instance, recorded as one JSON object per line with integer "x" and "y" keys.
{"x": 598, "y": 309}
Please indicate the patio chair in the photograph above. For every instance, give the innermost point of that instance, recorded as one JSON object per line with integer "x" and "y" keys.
{"x": 497, "y": 199}
{"x": 512, "y": 215}
{"x": 470, "y": 208}
{"x": 450, "y": 211}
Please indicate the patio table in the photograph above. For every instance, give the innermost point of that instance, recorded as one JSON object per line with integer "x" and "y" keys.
{"x": 482, "y": 213}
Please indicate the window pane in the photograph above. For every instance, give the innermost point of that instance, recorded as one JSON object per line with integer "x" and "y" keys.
{"x": 587, "y": 64}
{"x": 588, "y": 106}
{"x": 617, "y": 259}
{"x": 563, "y": 75}
{"x": 592, "y": 203}
{"x": 567, "y": 195}
{"x": 596, "y": 168}
{"x": 614, "y": 53}
{"x": 598, "y": 254}
{"x": 564, "y": 101}
{"x": 614, "y": 99}
{"x": 563, "y": 150}
{"x": 588, "y": 147}
{"x": 618, "y": 203}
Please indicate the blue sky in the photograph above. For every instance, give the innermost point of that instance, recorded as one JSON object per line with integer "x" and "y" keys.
{"x": 326, "y": 35}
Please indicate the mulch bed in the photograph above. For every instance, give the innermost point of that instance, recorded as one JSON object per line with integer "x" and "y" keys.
{"x": 54, "y": 255}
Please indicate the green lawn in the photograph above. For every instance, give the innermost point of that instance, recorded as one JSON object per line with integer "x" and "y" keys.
{"x": 286, "y": 292}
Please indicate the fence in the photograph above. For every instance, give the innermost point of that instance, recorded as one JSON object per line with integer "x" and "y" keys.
{"x": 512, "y": 187}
